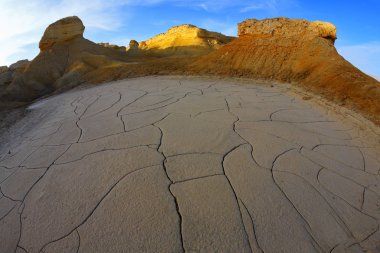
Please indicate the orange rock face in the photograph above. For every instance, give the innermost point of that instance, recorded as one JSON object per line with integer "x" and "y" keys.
{"x": 63, "y": 30}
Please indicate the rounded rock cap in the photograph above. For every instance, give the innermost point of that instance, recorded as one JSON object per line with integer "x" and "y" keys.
{"x": 62, "y": 30}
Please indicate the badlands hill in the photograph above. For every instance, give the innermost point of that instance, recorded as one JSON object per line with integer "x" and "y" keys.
{"x": 287, "y": 50}
{"x": 295, "y": 51}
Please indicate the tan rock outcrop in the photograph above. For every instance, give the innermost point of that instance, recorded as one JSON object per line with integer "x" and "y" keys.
{"x": 184, "y": 40}
{"x": 185, "y": 35}
{"x": 287, "y": 28}
{"x": 63, "y": 30}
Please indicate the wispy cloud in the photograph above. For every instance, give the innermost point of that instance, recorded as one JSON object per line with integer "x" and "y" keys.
{"x": 243, "y": 5}
{"x": 23, "y": 24}
{"x": 365, "y": 56}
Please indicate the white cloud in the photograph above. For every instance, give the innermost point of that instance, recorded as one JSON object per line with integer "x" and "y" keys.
{"x": 366, "y": 56}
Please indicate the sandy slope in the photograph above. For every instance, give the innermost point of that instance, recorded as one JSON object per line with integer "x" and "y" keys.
{"x": 174, "y": 164}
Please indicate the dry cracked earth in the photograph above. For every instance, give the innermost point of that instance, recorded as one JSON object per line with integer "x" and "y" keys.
{"x": 174, "y": 165}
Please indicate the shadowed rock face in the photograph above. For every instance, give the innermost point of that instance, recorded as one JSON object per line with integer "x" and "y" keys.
{"x": 14, "y": 70}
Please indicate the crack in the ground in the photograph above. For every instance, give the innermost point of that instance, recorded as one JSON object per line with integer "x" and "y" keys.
{"x": 195, "y": 178}
{"x": 334, "y": 171}
{"x": 234, "y": 192}
{"x": 128, "y": 104}
{"x": 360, "y": 211}
{"x": 105, "y": 109}
{"x": 10, "y": 210}
{"x": 334, "y": 215}
{"x": 253, "y": 228}
{"x": 98, "y": 204}
{"x": 308, "y": 228}
{"x": 169, "y": 189}
{"x": 78, "y": 240}
{"x": 357, "y": 209}
{"x": 81, "y": 116}
{"x": 245, "y": 140}
{"x": 8, "y": 197}
{"x": 200, "y": 113}
{"x": 148, "y": 124}
{"x": 30, "y": 189}
{"x": 178, "y": 99}
{"x": 103, "y": 150}
{"x": 194, "y": 153}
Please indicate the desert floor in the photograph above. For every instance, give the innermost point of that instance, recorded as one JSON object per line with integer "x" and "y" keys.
{"x": 173, "y": 164}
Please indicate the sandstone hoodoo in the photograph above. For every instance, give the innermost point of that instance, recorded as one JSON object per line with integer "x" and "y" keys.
{"x": 295, "y": 51}
{"x": 64, "y": 57}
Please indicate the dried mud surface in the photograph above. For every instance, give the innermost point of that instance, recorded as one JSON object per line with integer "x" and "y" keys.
{"x": 175, "y": 164}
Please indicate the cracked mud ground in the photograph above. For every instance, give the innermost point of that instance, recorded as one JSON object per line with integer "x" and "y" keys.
{"x": 174, "y": 165}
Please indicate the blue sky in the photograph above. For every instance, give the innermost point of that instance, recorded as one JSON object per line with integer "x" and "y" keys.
{"x": 118, "y": 21}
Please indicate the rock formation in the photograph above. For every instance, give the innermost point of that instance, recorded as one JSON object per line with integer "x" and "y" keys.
{"x": 287, "y": 50}
{"x": 67, "y": 59}
{"x": 183, "y": 40}
{"x": 65, "y": 56}
{"x": 295, "y": 51}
